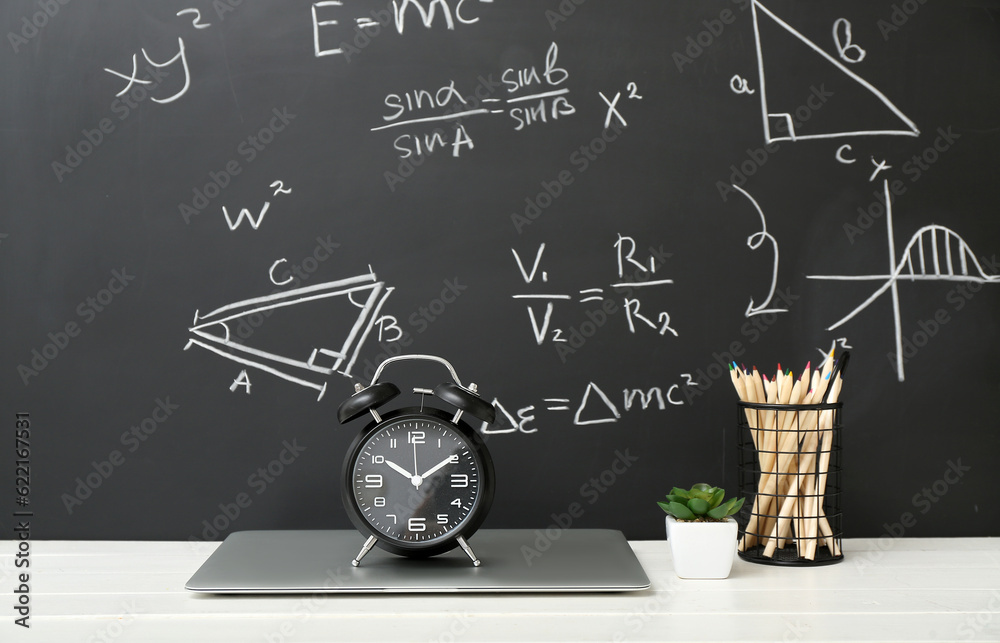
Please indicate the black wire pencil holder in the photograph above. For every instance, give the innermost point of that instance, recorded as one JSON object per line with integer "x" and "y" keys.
{"x": 790, "y": 474}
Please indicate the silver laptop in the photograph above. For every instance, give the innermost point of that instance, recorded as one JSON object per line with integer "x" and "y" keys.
{"x": 513, "y": 560}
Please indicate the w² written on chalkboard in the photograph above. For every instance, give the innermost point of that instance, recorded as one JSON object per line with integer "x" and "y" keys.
{"x": 246, "y": 151}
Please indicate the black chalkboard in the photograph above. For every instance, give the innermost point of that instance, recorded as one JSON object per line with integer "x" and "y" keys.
{"x": 220, "y": 215}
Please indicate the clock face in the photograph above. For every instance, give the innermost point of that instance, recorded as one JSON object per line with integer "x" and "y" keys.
{"x": 416, "y": 480}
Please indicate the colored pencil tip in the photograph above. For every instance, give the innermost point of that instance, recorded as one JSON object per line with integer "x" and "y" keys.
{"x": 808, "y": 364}
{"x": 731, "y": 367}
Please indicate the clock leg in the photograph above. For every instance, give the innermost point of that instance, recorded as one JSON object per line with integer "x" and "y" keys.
{"x": 468, "y": 550}
{"x": 367, "y": 547}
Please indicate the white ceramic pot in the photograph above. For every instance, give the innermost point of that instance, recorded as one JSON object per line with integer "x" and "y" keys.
{"x": 702, "y": 549}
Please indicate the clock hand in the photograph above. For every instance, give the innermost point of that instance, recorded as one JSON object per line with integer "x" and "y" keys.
{"x": 415, "y": 469}
{"x": 436, "y": 467}
{"x": 398, "y": 469}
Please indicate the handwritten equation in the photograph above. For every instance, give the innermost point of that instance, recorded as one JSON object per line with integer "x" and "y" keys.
{"x": 593, "y": 406}
{"x": 331, "y": 24}
{"x": 531, "y": 96}
{"x": 640, "y": 277}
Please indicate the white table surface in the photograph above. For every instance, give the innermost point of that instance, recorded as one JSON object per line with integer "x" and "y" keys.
{"x": 884, "y": 590}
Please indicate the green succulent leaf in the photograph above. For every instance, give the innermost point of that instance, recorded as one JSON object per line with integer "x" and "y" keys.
{"x": 681, "y": 493}
{"x": 679, "y": 511}
{"x": 698, "y": 506}
{"x": 701, "y": 486}
{"x": 717, "y": 498}
{"x": 675, "y": 498}
{"x": 721, "y": 511}
{"x": 727, "y": 509}
{"x": 702, "y": 495}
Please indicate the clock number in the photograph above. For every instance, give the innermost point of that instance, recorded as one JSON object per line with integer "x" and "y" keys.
{"x": 379, "y": 459}
{"x": 453, "y": 459}
{"x": 415, "y": 437}
{"x": 442, "y": 519}
{"x": 392, "y": 443}
{"x": 373, "y": 481}
{"x": 456, "y": 502}
{"x": 393, "y": 516}
{"x": 379, "y": 501}
{"x": 416, "y": 524}
{"x": 459, "y": 480}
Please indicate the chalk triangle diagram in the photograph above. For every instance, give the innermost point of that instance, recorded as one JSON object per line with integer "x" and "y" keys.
{"x": 835, "y": 101}
{"x": 246, "y": 332}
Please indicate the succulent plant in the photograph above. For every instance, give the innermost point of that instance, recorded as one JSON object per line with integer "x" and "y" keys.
{"x": 701, "y": 503}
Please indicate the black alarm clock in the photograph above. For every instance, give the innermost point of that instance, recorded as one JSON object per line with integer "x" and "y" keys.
{"x": 418, "y": 481}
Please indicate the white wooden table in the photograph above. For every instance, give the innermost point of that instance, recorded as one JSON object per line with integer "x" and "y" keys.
{"x": 884, "y": 590}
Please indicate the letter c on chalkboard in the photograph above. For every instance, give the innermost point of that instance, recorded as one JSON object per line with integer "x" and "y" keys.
{"x": 271, "y": 273}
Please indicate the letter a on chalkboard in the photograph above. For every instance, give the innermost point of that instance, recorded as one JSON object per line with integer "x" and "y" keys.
{"x": 806, "y": 93}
